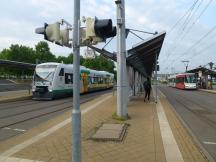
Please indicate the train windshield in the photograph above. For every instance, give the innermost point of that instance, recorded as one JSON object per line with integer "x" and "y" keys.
{"x": 45, "y": 73}
{"x": 190, "y": 79}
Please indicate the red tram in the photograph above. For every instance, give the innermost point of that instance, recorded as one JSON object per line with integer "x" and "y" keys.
{"x": 183, "y": 81}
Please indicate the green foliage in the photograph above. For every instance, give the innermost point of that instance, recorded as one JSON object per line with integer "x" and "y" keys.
{"x": 99, "y": 63}
{"x": 43, "y": 52}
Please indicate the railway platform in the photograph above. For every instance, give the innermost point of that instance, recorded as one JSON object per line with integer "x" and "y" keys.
{"x": 9, "y": 96}
{"x": 154, "y": 134}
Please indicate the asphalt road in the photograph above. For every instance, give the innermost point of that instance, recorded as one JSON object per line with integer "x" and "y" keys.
{"x": 17, "y": 117}
{"x": 198, "y": 110}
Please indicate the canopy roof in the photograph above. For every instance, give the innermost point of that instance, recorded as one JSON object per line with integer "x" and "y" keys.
{"x": 204, "y": 70}
{"x": 17, "y": 65}
{"x": 141, "y": 56}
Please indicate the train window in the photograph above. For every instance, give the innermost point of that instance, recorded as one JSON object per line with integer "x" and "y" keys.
{"x": 89, "y": 80}
{"x": 96, "y": 80}
{"x": 100, "y": 80}
{"x": 61, "y": 73}
{"x": 68, "y": 78}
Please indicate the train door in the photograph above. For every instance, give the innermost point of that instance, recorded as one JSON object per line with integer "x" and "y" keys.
{"x": 85, "y": 82}
{"x": 61, "y": 81}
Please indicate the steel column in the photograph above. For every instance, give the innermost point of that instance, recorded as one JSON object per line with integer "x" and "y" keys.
{"x": 76, "y": 114}
{"x": 121, "y": 60}
{"x": 156, "y": 78}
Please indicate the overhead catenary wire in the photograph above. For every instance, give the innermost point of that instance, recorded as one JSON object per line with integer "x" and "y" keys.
{"x": 196, "y": 20}
{"x": 180, "y": 37}
{"x": 194, "y": 45}
{"x": 200, "y": 40}
{"x": 202, "y": 50}
{"x": 190, "y": 27}
{"x": 197, "y": 8}
{"x": 202, "y": 37}
{"x": 188, "y": 13}
{"x": 179, "y": 20}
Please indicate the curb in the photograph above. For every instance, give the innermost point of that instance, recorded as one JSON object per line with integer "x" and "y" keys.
{"x": 209, "y": 91}
{"x": 15, "y": 99}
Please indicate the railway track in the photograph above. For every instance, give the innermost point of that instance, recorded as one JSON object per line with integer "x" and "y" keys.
{"x": 27, "y": 114}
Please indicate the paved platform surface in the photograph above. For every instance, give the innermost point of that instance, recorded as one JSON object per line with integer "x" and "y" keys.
{"x": 147, "y": 139}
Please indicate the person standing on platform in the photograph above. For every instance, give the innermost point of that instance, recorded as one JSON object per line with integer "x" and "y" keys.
{"x": 147, "y": 87}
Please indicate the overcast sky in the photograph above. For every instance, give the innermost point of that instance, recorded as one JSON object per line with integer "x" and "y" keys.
{"x": 19, "y": 18}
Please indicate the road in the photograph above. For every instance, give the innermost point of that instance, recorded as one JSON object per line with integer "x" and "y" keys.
{"x": 17, "y": 117}
{"x": 198, "y": 110}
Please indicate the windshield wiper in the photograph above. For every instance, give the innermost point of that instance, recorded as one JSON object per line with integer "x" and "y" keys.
{"x": 48, "y": 75}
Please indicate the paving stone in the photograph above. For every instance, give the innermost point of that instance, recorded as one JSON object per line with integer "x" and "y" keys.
{"x": 113, "y": 126}
{"x": 110, "y": 132}
{"x": 142, "y": 143}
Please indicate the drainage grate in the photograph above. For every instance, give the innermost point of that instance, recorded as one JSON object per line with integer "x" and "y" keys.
{"x": 110, "y": 132}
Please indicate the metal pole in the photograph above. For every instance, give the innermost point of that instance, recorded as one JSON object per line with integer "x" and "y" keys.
{"x": 156, "y": 78}
{"x": 121, "y": 60}
{"x": 76, "y": 114}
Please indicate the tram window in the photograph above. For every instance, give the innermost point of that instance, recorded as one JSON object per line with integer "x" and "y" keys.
{"x": 61, "y": 73}
{"x": 180, "y": 80}
{"x": 68, "y": 78}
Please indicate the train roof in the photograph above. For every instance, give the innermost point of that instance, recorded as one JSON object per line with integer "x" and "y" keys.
{"x": 82, "y": 69}
{"x": 48, "y": 63}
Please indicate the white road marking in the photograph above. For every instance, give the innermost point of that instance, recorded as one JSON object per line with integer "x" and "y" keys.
{"x": 13, "y": 159}
{"x": 21, "y": 146}
{"x": 209, "y": 143}
{"x": 16, "y": 129}
{"x": 162, "y": 94}
{"x": 19, "y": 130}
{"x": 172, "y": 151}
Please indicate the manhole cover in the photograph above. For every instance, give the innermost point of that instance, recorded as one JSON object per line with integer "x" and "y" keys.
{"x": 110, "y": 132}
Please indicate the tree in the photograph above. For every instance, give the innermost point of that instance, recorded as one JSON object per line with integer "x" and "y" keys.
{"x": 17, "y": 53}
{"x": 43, "y": 52}
{"x": 99, "y": 63}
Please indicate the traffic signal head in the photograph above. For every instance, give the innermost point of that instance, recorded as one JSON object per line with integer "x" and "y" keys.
{"x": 104, "y": 29}
{"x": 52, "y": 32}
{"x": 64, "y": 36}
{"x": 97, "y": 31}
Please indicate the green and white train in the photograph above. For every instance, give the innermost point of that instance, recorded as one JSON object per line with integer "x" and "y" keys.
{"x": 55, "y": 80}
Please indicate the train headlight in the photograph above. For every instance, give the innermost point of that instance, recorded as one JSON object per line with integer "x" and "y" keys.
{"x": 33, "y": 88}
{"x": 50, "y": 89}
